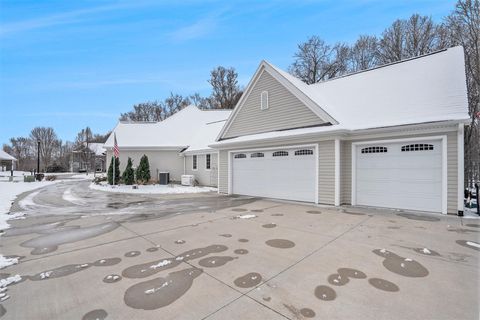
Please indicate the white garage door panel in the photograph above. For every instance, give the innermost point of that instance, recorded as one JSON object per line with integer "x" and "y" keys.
{"x": 285, "y": 177}
{"x": 400, "y": 179}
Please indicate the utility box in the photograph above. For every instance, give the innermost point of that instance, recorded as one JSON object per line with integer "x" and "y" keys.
{"x": 188, "y": 180}
{"x": 163, "y": 178}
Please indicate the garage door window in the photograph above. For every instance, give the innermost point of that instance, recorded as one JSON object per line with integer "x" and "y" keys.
{"x": 374, "y": 150}
{"x": 257, "y": 155}
{"x": 417, "y": 147}
{"x": 280, "y": 154}
{"x": 240, "y": 156}
{"x": 304, "y": 152}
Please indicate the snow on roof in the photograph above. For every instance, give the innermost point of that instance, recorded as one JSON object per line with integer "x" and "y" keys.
{"x": 97, "y": 148}
{"x": 6, "y": 156}
{"x": 425, "y": 89}
{"x": 188, "y": 127}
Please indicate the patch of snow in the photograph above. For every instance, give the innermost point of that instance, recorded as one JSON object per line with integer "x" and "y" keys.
{"x": 7, "y": 281}
{"x": 70, "y": 197}
{"x": 45, "y": 275}
{"x": 152, "y": 189}
{"x": 473, "y": 244}
{"x": 246, "y": 216}
{"x": 408, "y": 259}
{"x": 161, "y": 264}
{"x": 470, "y": 213}
{"x": 426, "y": 251}
{"x": 5, "y": 262}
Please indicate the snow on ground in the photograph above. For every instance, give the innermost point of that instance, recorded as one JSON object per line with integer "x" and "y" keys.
{"x": 246, "y": 216}
{"x": 152, "y": 189}
{"x": 9, "y": 191}
{"x": 89, "y": 176}
{"x": 5, "y": 262}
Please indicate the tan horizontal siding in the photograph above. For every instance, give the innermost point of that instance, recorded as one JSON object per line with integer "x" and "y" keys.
{"x": 345, "y": 172}
{"x": 326, "y": 172}
{"x": 285, "y": 111}
{"x": 223, "y": 172}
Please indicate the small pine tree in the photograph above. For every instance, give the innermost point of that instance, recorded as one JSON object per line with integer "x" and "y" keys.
{"x": 128, "y": 175}
{"x": 110, "y": 171}
{"x": 143, "y": 170}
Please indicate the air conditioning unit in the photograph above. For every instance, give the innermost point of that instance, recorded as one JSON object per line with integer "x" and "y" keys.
{"x": 188, "y": 180}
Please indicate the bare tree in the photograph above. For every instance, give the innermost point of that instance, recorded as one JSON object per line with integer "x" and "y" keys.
{"x": 225, "y": 89}
{"x": 173, "y": 104}
{"x": 49, "y": 144}
{"x": 363, "y": 54}
{"x": 421, "y": 36}
{"x": 149, "y": 111}
{"x": 199, "y": 101}
{"x": 392, "y": 43}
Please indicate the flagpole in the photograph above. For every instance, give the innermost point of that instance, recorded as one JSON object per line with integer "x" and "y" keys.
{"x": 113, "y": 171}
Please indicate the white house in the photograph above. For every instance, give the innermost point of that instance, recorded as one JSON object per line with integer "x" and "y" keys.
{"x": 388, "y": 137}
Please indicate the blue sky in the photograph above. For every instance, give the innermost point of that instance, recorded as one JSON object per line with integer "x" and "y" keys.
{"x": 71, "y": 64}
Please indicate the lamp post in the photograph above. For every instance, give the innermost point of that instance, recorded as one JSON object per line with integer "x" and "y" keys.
{"x": 38, "y": 156}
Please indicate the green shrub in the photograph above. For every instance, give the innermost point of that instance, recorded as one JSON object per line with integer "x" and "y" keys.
{"x": 143, "y": 170}
{"x": 128, "y": 175}
{"x": 117, "y": 171}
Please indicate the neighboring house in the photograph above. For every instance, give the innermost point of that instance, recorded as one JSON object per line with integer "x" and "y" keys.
{"x": 388, "y": 137}
{"x": 89, "y": 158}
{"x": 178, "y": 145}
{"x": 7, "y": 162}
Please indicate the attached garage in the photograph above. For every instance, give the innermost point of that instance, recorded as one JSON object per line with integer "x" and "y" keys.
{"x": 283, "y": 173}
{"x": 400, "y": 174}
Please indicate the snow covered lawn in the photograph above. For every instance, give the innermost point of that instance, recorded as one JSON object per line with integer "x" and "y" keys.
{"x": 152, "y": 189}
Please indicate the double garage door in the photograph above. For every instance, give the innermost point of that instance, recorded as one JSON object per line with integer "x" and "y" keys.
{"x": 282, "y": 174}
{"x": 404, "y": 175}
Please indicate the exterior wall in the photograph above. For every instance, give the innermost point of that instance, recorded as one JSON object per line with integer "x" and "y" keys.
{"x": 452, "y": 167}
{"x": 326, "y": 172}
{"x": 159, "y": 161}
{"x": 202, "y": 175}
{"x": 223, "y": 171}
{"x": 285, "y": 111}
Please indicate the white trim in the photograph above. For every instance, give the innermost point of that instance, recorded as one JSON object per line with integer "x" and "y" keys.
{"x": 443, "y": 139}
{"x": 461, "y": 164}
{"x": 317, "y": 173}
{"x": 266, "y": 106}
{"x": 218, "y": 172}
{"x": 337, "y": 172}
{"x": 230, "y": 156}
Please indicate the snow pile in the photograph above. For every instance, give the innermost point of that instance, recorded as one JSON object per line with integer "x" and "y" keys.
{"x": 7, "y": 281}
{"x": 5, "y": 262}
{"x": 9, "y": 191}
{"x": 152, "y": 189}
{"x": 161, "y": 264}
{"x": 246, "y": 216}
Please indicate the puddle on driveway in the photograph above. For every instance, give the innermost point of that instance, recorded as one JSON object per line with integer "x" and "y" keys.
{"x": 98, "y": 314}
{"x": 417, "y": 217}
{"x": 256, "y": 210}
{"x": 469, "y": 244}
{"x": 131, "y": 254}
{"x": 112, "y": 278}
{"x": 314, "y": 211}
{"x": 240, "y": 251}
{"x": 400, "y": 265}
{"x": 179, "y": 241}
{"x": 473, "y": 225}
{"x": 239, "y": 210}
{"x": 249, "y": 280}
{"x": 269, "y": 225}
{"x": 107, "y": 262}
{"x": 215, "y": 261}
{"x": 307, "y": 312}
{"x": 2, "y": 310}
{"x": 343, "y": 274}
{"x": 150, "y": 268}
{"x": 152, "y": 249}
{"x": 225, "y": 235}
{"x": 50, "y": 242}
{"x": 384, "y": 285}
{"x": 277, "y": 214}
{"x": 280, "y": 243}
{"x": 243, "y": 240}
{"x": 461, "y": 230}
{"x": 160, "y": 292}
{"x": 325, "y": 293}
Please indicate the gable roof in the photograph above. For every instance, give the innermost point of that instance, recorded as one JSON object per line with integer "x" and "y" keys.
{"x": 429, "y": 88}
{"x": 6, "y": 156}
{"x": 177, "y": 132}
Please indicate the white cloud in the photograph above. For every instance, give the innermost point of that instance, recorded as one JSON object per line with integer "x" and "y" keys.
{"x": 196, "y": 30}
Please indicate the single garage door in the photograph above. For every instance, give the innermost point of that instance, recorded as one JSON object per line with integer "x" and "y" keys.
{"x": 283, "y": 174}
{"x": 400, "y": 175}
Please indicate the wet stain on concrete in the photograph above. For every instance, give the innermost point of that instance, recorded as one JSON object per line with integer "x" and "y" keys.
{"x": 19, "y": 231}
{"x": 160, "y": 292}
{"x": 418, "y": 217}
{"x": 152, "y": 249}
{"x": 400, "y": 265}
{"x": 243, "y": 240}
{"x": 427, "y": 252}
{"x": 325, "y": 293}
{"x": 225, "y": 235}
{"x": 314, "y": 211}
{"x": 353, "y": 213}
{"x": 131, "y": 254}
{"x": 241, "y": 251}
{"x": 277, "y": 214}
{"x": 469, "y": 244}
{"x": 59, "y": 272}
{"x": 307, "y": 312}
{"x": 2, "y": 310}
{"x": 249, "y": 280}
{"x": 150, "y": 268}
{"x": 280, "y": 243}
{"x": 269, "y": 225}
{"x": 393, "y": 227}
{"x": 50, "y": 242}
{"x": 4, "y": 275}
{"x": 107, "y": 262}
{"x": 239, "y": 210}
{"x": 462, "y": 230}
{"x": 384, "y": 285}
{"x": 267, "y": 299}
{"x": 97, "y": 314}
{"x": 256, "y": 210}
{"x": 473, "y": 225}
{"x": 112, "y": 278}
{"x": 343, "y": 274}
{"x": 215, "y": 261}
{"x": 179, "y": 241}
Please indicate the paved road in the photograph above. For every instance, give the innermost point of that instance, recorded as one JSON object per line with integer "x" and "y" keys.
{"x": 87, "y": 254}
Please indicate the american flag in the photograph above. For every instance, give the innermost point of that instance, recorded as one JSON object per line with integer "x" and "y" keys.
{"x": 116, "y": 151}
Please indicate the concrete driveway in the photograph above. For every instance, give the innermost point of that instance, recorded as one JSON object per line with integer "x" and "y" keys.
{"x": 91, "y": 255}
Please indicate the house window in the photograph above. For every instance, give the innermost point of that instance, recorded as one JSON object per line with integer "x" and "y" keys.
{"x": 257, "y": 155}
{"x": 194, "y": 162}
{"x": 280, "y": 154}
{"x": 417, "y": 147}
{"x": 240, "y": 156}
{"x": 264, "y": 100}
{"x": 207, "y": 162}
{"x": 303, "y": 152}
{"x": 374, "y": 150}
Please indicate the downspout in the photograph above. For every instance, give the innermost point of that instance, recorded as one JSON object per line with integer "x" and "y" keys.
{"x": 461, "y": 170}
